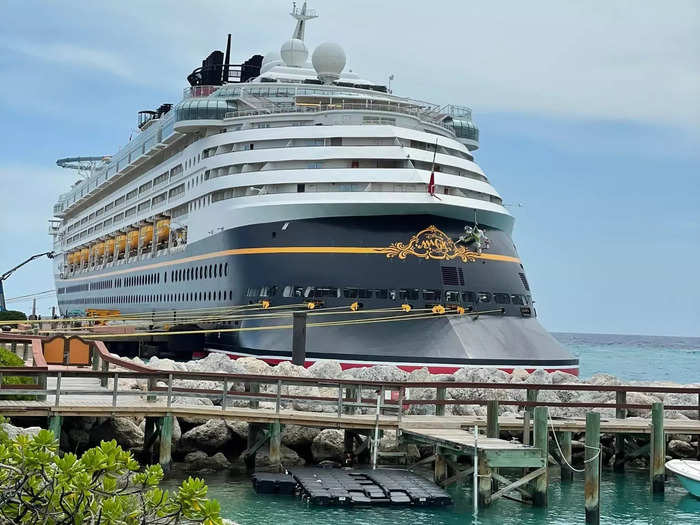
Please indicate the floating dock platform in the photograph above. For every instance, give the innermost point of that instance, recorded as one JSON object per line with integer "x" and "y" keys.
{"x": 341, "y": 486}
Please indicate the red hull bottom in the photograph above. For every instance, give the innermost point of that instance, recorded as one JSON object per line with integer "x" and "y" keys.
{"x": 433, "y": 369}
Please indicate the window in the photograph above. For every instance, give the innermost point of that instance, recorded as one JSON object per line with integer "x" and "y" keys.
{"x": 468, "y": 297}
{"x": 132, "y": 194}
{"x": 517, "y": 299}
{"x": 432, "y": 295}
{"x": 350, "y": 293}
{"x": 380, "y": 293}
{"x": 501, "y": 298}
{"x": 301, "y": 188}
{"x": 484, "y": 297}
{"x": 451, "y": 296}
{"x": 410, "y": 294}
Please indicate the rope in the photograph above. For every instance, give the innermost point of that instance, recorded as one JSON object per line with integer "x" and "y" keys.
{"x": 561, "y": 454}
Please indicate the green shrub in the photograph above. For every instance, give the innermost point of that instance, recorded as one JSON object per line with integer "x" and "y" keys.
{"x": 12, "y": 315}
{"x": 104, "y": 486}
{"x": 8, "y": 358}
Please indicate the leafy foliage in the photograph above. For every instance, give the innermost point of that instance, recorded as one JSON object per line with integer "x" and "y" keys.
{"x": 8, "y": 358}
{"x": 105, "y": 486}
{"x": 12, "y": 315}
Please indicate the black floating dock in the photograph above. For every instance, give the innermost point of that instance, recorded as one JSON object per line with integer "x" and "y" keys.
{"x": 339, "y": 486}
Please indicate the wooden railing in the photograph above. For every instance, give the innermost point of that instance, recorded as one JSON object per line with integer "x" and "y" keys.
{"x": 351, "y": 393}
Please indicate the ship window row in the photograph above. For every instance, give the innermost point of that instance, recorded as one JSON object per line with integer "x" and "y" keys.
{"x": 130, "y": 195}
{"x": 217, "y": 295}
{"x": 358, "y": 187}
{"x": 311, "y": 292}
{"x": 232, "y": 147}
{"x": 352, "y": 163}
{"x": 211, "y": 271}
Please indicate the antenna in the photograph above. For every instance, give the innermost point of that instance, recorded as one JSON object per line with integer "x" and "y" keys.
{"x": 301, "y": 15}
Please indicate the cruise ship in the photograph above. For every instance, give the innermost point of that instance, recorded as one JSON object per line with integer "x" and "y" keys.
{"x": 289, "y": 181}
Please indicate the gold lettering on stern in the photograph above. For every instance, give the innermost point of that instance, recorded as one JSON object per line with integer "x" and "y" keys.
{"x": 430, "y": 243}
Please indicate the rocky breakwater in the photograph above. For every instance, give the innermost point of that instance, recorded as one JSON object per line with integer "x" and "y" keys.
{"x": 213, "y": 444}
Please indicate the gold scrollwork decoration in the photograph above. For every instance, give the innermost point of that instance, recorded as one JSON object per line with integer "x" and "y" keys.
{"x": 430, "y": 243}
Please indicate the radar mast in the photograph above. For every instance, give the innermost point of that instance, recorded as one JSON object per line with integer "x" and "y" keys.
{"x": 301, "y": 15}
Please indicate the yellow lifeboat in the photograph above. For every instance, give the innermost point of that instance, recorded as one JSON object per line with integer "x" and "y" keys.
{"x": 121, "y": 243}
{"x": 146, "y": 235}
{"x": 163, "y": 227}
{"x": 133, "y": 238}
{"x": 98, "y": 250}
{"x": 109, "y": 247}
{"x": 69, "y": 258}
{"x": 84, "y": 255}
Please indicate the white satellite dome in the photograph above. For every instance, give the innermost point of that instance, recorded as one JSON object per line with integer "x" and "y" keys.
{"x": 328, "y": 60}
{"x": 270, "y": 60}
{"x": 294, "y": 53}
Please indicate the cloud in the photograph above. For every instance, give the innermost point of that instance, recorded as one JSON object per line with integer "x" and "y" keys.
{"x": 74, "y": 55}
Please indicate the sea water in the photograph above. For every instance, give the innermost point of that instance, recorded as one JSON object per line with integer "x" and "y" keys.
{"x": 624, "y": 498}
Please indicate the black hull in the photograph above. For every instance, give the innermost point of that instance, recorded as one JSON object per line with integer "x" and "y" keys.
{"x": 353, "y": 253}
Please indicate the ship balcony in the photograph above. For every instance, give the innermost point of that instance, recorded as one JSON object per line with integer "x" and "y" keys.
{"x": 59, "y": 209}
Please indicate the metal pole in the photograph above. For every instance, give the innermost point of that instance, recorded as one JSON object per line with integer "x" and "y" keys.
{"x": 298, "y": 338}
{"x": 376, "y": 432}
{"x": 475, "y": 498}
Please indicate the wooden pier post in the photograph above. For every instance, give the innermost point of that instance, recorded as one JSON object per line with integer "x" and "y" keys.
{"x": 620, "y": 413}
{"x": 55, "y": 423}
{"x": 254, "y": 435}
{"x": 484, "y": 480}
{"x": 541, "y": 441}
{"x": 166, "y": 442}
{"x": 298, "y": 338}
{"x": 564, "y": 439}
{"x": 657, "y": 450}
{"x": 441, "y": 473}
{"x": 276, "y": 444}
{"x": 440, "y": 395}
{"x": 492, "y": 429}
{"x": 592, "y": 468}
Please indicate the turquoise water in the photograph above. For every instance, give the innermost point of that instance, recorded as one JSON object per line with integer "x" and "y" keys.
{"x": 625, "y": 499}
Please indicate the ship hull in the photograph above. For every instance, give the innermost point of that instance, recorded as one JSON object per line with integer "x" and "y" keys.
{"x": 378, "y": 262}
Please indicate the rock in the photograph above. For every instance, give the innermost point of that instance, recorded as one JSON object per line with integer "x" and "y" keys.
{"x": 328, "y": 444}
{"x": 326, "y": 369}
{"x": 239, "y": 429}
{"x": 288, "y": 457}
{"x": 211, "y": 436}
{"x": 680, "y": 449}
{"x": 217, "y": 362}
{"x": 13, "y": 431}
{"x": 539, "y": 377}
{"x": 254, "y": 366}
{"x": 558, "y": 377}
{"x": 200, "y": 460}
{"x": 381, "y": 373}
{"x": 603, "y": 379}
{"x": 298, "y": 438}
{"x": 167, "y": 364}
{"x": 122, "y": 429}
{"x": 519, "y": 375}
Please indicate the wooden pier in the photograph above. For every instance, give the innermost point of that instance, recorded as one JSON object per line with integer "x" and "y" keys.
{"x": 358, "y": 407}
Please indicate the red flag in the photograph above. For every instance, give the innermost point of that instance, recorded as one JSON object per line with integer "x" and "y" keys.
{"x": 431, "y": 184}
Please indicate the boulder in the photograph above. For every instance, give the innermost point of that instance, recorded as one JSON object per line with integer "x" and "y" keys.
{"x": 211, "y": 436}
{"x": 217, "y": 362}
{"x": 167, "y": 364}
{"x": 254, "y": 366}
{"x": 603, "y": 379}
{"x": 558, "y": 377}
{"x": 299, "y": 438}
{"x": 200, "y": 460}
{"x": 519, "y": 375}
{"x": 328, "y": 444}
{"x": 13, "y": 431}
{"x": 382, "y": 373}
{"x": 288, "y": 457}
{"x": 680, "y": 449}
{"x": 239, "y": 430}
{"x": 122, "y": 429}
{"x": 539, "y": 377}
{"x": 326, "y": 369}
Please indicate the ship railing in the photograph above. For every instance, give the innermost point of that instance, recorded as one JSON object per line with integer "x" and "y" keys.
{"x": 341, "y": 106}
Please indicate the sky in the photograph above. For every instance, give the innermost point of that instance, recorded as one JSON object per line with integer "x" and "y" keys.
{"x": 589, "y": 114}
